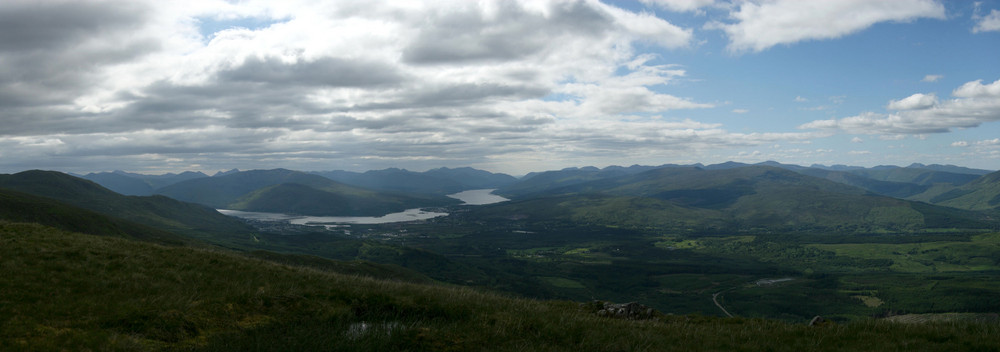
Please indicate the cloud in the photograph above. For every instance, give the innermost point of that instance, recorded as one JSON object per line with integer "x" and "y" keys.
{"x": 976, "y": 89}
{"x": 859, "y": 152}
{"x": 989, "y": 142}
{"x": 740, "y": 111}
{"x": 988, "y": 23}
{"x": 759, "y": 25}
{"x": 680, "y": 5}
{"x": 800, "y": 99}
{"x": 932, "y": 78}
{"x": 50, "y": 52}
{"x": 960, "y": 144}
{"x": 510, "y": 31}
{"x": 914, "y": 102}
{"x": 322, "y": 72}
{"x": 343, "y": 84}
{"x": 974, "y": 104}
{"x": 857, "y": 140}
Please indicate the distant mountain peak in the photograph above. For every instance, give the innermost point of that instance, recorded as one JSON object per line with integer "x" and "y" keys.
{"x": 224, "y": 173}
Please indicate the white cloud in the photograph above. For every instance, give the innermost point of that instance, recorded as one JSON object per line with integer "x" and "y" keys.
{"x": 976, "y": 89}
{"x": 988, "y": 23}
{"x": 989, "y": 142}
{"x": 800, "y": 99}
{"x": 960, "y": 144}
{"x": 975, "y": 104}
{"x": 680, "y": 5}
{"x": 859, "y": 152}
{"x": 932, "y": 78}
{"x": 740, "y": 111}
{"x": 857, "y": 140}
{"x": 760, "y": 25}
{"x": 914, "y": 102}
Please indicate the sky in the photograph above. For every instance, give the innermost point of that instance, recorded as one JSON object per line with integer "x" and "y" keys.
{"x": 506, "y": 86}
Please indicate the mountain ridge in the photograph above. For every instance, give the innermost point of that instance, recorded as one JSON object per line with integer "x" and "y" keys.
{"x": 296, "y": 192}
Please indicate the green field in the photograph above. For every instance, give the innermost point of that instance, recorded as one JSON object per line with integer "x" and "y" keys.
{"x": 982, "y": 253}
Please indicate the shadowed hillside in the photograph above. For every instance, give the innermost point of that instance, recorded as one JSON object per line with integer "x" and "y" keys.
{"x": 157, "y": 211}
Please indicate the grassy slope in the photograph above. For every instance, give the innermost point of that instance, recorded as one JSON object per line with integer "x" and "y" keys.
{"x": 981, "y": 194}
{"x": 66, "y": 290}
{"x": 167, "y": 221}
{"x": 156, "y": 211}
{"x": 23, "y": 207}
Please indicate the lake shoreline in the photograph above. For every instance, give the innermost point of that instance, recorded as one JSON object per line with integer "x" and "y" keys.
{"x": 469, "y": 197}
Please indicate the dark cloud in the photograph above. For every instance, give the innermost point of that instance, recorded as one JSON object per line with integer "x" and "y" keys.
{"x": 454, "y": 95}
{"x": 54, "y": 25}
{"x": 51, "y": 51}
{"x": 323, "y": 72}
{"x": 511, "y": 33}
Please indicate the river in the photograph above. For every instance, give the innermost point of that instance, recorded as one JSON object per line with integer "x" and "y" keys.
{"x": 471, "y": 197}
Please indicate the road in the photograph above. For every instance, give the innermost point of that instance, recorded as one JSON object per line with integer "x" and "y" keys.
{"x": 714, "y": 295}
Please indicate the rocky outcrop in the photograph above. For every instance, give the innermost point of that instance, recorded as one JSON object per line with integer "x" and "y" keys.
{"x": 627, "y": 311}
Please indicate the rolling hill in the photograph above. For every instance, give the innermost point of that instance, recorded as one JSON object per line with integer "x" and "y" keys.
{"x": 295, "y": 192}
{"x": 395, "y": 180}
{"x": 156, "y": 211}
{"x": 981, "y": 194}
{"x": 133, "y": 184}
{"x": 23, "y": 207}
{"x": 440, "y": 181}
{"x": 751, "y": 197}
{"x": 917, "y": 175}
{"x": 542, "y": 181}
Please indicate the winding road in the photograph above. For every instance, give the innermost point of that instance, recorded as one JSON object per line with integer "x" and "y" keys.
{"x": 714, "y": 295}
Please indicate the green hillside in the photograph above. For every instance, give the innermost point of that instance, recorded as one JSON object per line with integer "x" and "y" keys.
{"x": 293, "y": 198}
{"x": 156, "y": 211}
{"x": 535, "y": 183}
{"x": 981, "y": 194}
{"x": 102, "y": 293}
{"x": 743, "y": 198}
{"x": 23, "y": 207}
{"x": 294, "y": 192}
{"x": 896, "y": 189}
{"x": 915, "y": 175}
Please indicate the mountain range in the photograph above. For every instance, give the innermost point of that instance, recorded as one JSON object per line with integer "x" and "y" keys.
{"x": 738, "y": 198}
{"x": 933, "y": 184}
{"x": 377, "y": 192}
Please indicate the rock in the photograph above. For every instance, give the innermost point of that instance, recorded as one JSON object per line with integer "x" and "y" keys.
{"x": 627, "y": 311}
